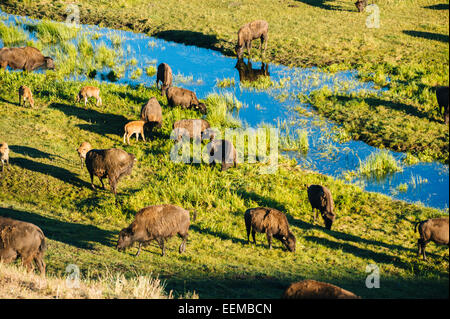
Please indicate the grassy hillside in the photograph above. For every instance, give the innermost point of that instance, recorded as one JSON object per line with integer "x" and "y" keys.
{"x": 46, "y": 186}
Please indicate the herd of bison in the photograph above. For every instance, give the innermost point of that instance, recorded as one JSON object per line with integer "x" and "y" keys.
{"x": 160, "y": 222}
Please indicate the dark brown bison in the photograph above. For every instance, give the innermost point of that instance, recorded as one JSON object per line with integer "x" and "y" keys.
{"x": 110, "y": 163}
{"x": 194, "y": 128}
{"x": 311, "y": 289}
{"x": 435, "y": 229}
{"x": 185, "y": 98}
{"x": 361, "y": 5}
{"x": 442, "y": 98}
{"x": 159, "y": 223}
{"x": 270, "y": 221}
{"x": 26, "y": 58}
{"x": 251, "y": 31}
{"x": 164, "y": 75}
{"x": 24, "y": 240}
{"x": 151, "y": 113}
{"x": 320, "y": 198}
{"x": 223, "y": 152}
{"x": 247, "y": 73}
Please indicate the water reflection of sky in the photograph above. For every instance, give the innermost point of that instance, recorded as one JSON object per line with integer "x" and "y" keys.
{"x": 198, "y": 69}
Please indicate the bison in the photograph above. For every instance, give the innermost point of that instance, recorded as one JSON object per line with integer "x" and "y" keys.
{"x": 272, "y": 222}
{"x": 151, "y": 113}
{"x": 89, "y": 91}
{"x": 159, "y": 223}
{"x": 164, "y": 75}
{"x": 311, "y": 289}
{"x": 109, "y": 163}
{"x": 24, "y": 240}
{"x": 4, "y": 154}
{"x": 134, "y": 127}
{"x": 251, "y": 31}
{"x": 185, "y": 98}
{"x": 435, "y": 229}
{"x": 247, "y": 73}
{"x": 24, "y": 95}
{"x": 222, "y": 151}
{"x": 26, "y": 58}
{"x": 361, "y": 5}
{"x": 320, "y": 198}
{"x": 442, "y": 98}
{"x": 82, "y": 151}
{"x": 194, "y": 127}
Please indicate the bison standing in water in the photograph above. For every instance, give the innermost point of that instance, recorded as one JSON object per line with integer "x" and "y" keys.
{"x": 311, "y": 289}
{"x": 110, "y": 163}
{"x": 321, "y": 199}
{"x": 159, "y": 223}
{"x": 24, "y": 240}
{"x": 25, "y": 58}
{"x": 164, "y": 75}
{"x": 184, "y": 98}
{"x": 251, "y": 31}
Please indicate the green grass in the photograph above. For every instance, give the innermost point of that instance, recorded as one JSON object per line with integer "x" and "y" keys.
{"x": 378, "y": 165}
{"x": 54, "y": 32}
{"x": 46, "y": 186}
{"x": 11, "y": 35}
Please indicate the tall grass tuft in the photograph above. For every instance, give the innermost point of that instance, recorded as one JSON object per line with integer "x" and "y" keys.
{"x": 11, "y": 35}
{"x": 220, "y": 107}
{"x": 54, "y": 32}
{"x": 378, "y": 165}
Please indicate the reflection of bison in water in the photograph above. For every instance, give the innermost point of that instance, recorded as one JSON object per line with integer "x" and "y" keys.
{"x": 311, "y": 289}
{"x": 164, "y": 75}
{"x": 251, "y": 31}
{"x": 247, "y": 73}
{"x": 24, "y": 240}
{"x": 25, "y": 58}
{"x": 159, "y": 223}
{"x": 110, "y": 163}
{"x": 184, "y": 98}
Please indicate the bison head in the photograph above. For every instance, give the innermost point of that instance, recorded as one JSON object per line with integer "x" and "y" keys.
{"x": 49, "y": 64}
{"x": 125, "y": 239}
{"x": 289, "y": 242}
{"x": 201, "y": 107}
{"x": 361, "y": 5}
{"x": 239, "y": 51}
{"x": 328, "y": 218}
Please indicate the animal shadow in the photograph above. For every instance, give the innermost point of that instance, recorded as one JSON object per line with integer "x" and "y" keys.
{"x": 427, "y": 35}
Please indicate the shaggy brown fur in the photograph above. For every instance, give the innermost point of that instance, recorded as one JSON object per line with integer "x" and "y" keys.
{"x": 311, "y": 289}
{"x": 25, "y": 58}
{"x": 435, "y": 229}
{"x": 4, "y": 154}
{"x": 320, "y": 198}
{"x": 442, "y": 98}
{"x": 184, "y": 98}
{"x": 193, "y": 127}
{"x": 24, "y": 95}
{"x": 272, "y": 222}
{"x": 24, "y": 240}
{"x": 82, "y": 151}
{"x": 223, "y": 152}
{"x": 164, "y": 75}
{"x": 151, "y": 113}
{"x": 158, "y": 223}
{"x": 87, "y": 92}
{"x": 251, "y": 31}
{"x": 361, "y": 5}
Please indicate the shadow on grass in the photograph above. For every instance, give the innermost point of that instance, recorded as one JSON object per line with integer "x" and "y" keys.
{"x": 9, "y": 102}
{"x": 77, "y": 235}
{"x": 427, "y": 35}
{"x": 101, "y": 123}
{"x": 261, "y": 200}
{"x": 32, "y": 152}
{"x": 220, "y": 235}
{"x": 46, "y": 169}
{"x": 440, "y": 6}
{"x": 324, "y": 4}
{"x": 129, "y": 96}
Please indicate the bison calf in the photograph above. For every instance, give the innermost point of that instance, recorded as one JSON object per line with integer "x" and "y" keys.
{"x": 110, "y": 163}
{"x": 270, "y": 221}
{"x": 442, "y": 98}
{"x": 361, "y": 5}
{"x": 251, "y": 31}
{"x": 158, "y": 223}
{"x": 134, "y": 127}
{"x": 24, "y": 95}
{"x": 164, "y": 75}
{"x": 184, "y": 98}
{"x": 24, "y": 240}
{"x": 82, "y": 151}
{"x": 4, "y": 154}
{"x": 320, "y": 198}
{"x": 435, "y": 229}
{"x": 311, "y": 289}
{"x": 87, "y": 92}
{"x": 194, "y": 127}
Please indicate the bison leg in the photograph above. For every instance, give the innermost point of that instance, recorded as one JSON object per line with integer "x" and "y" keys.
{"x": 142, "y": 134}
{"x": 253, "y": 236}
{"x": 269, "y": 239}
{"x": 113, "y": 185}
{"x": 182, "y": 248}
{"x": 8, "y": 255}
{"x": 249, "y": 49}
{"x": 28, "y": 262}
{"x": 101, "y": 181}
{"x": 40, "y": 263}
{"x": 92, "y": 180}
{"x": 139, "y": 250}
{"x": 85, "y": 101}
{"x": 161, "y": 245}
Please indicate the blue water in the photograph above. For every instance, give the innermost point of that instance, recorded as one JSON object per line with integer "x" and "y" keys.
{"x": 428, "y": 183}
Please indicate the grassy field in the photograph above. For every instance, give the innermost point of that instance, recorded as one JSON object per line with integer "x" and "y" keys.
{"x": 46, "y": 186}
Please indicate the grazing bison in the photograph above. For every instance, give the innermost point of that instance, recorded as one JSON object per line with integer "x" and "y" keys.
{"x": 321, "y": 199}
{"x": 151, "y": 113}
{"x": 251, "y": 31}
{"x": 442, "y": 98}
{"x": 24, "y": 240}
{"x": 158, "y": 223}
{"x": 311, "y": 289}
{"x": 24, "y": 95}
{"x": 87, "y": 92}
{"x": 247, "y": 73}
{"x": 4, "y": 154}
{"x": 185, "y": 98}
{"x": 164, "y": 75}
{"x": 82, "y": 151}
{"x": 361, "y": 5}
{"x": 270, "y": 221}
{"x": 222, "y": 151}
{"x": 435, "y": 229}
{"x": 110, "y": 163}
{"x": 134, "y": 127}
{"x": 26, "y": 58}
{"x": 194, "y": 127}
